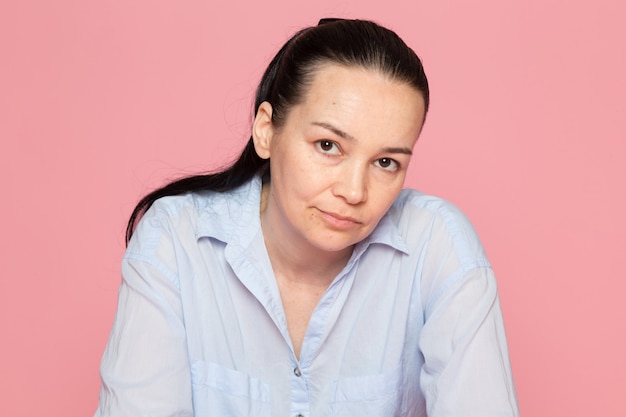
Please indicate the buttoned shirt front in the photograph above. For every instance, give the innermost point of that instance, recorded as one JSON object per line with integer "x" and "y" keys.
{"x": 411, "y": 326}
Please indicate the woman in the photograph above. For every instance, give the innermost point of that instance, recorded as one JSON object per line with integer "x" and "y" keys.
{"x": 303, "y": 281}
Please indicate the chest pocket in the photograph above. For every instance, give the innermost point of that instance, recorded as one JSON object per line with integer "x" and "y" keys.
{"x": 219, "y": 391}
{"x": 372, "y": 396}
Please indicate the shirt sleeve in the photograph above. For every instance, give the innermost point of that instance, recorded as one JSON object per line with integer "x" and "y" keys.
{"x": 466, "y": 370}
{"x": 145, "y": 368}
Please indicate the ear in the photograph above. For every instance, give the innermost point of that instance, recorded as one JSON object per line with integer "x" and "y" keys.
{"x": 263, "y": 130}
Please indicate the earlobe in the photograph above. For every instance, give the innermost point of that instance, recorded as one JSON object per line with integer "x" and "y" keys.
{"x": 263, "y": 130}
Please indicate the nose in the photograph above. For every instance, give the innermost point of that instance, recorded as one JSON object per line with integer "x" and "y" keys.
{"x": 351, "y": 185}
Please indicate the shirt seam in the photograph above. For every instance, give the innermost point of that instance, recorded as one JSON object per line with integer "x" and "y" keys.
{"x": 150, "y": 260}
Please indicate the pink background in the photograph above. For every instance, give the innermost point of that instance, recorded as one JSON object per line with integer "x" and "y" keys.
{"x": 100, "y": 101}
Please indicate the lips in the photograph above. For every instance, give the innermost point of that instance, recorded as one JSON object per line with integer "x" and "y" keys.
{"x": 338, "y": 221}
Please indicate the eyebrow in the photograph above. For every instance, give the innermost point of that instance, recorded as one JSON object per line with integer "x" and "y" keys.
{"x": 347, "y": 136}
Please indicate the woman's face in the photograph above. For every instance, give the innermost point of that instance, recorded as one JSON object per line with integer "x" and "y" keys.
{"x": 339, "y": 160}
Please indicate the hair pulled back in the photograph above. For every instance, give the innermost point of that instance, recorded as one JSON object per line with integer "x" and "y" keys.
{"x": 352, "y": 43}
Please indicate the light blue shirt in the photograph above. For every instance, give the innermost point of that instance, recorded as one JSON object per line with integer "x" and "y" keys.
{"x": 412, "y": 326}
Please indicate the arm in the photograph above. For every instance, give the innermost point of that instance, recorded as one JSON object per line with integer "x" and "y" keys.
{"x": 467, "y": 370}
{"x": 145, "y": 367}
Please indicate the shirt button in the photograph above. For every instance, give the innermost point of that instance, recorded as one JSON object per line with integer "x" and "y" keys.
{"x": 298, "y": 373}
{"x": 299, "y": 415}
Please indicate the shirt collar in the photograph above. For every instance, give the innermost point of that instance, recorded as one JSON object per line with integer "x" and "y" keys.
{"x": 232, "y": 216}
{"x": 386, "y": 233}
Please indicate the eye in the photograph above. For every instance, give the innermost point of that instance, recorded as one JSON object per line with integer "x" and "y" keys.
{"x": 387, "y": 164}
{"x": 327, "y": 147}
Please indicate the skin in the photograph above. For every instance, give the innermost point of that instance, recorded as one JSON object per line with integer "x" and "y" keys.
{"x": 337, "y": 163}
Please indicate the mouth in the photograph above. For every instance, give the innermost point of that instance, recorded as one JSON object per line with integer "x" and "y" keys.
{"x": 338, "y": 221}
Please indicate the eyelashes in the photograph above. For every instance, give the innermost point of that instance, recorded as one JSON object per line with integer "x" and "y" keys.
{"x": 328, "y": 147}
{"x": 331, "y": 148}
{"x": 388, "y": 164}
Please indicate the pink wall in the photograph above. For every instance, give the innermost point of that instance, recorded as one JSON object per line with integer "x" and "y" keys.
{"x": 99, "y": 101}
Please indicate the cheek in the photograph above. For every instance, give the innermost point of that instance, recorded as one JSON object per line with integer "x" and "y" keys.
{"x": 296, "y": 183}
{"x": 383, "y": 196}
{"x": 306, "y": 176}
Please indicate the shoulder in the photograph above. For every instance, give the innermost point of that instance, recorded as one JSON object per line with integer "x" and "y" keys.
{"x": 415, "y": 203}
{"x": 187, "y": 217}
{"x": 421, "y": 217}
{"x": 168, "y": 218}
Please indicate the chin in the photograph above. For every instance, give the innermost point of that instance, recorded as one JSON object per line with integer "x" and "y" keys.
{"x": 336, "y": 243}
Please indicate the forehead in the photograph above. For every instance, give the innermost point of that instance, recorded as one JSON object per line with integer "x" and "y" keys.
{"x": 359, "y": 99}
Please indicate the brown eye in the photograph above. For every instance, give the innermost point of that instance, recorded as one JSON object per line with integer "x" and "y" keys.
{"x": 326, "y": 145}
{"x": 387, "y": 164}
